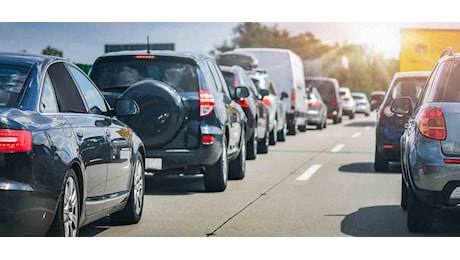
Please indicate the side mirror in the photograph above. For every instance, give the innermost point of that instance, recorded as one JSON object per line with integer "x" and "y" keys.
{"x": 284, "y": 95}
{"x": 264, "y": 92}
{"x": 241, "y": 92}
{"x": 126, "y": 107}
{"x": 401, "y": 106}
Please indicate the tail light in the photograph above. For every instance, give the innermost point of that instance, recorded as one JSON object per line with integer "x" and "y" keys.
{"x": 334, "y": 101}
{"x": 345, "y": 98}
{"x": 266, "y": 101}
{"x": 243, "y": 102}
{"x": 432, "y": 124}
{"x": 292, "y": 99}
{"x": 207, "y": 103}
{"x": 313, "y": 104}
{"x": 207, "y": 139}
{"x": 145, "y": 56}
{"x": 15, "y": 141}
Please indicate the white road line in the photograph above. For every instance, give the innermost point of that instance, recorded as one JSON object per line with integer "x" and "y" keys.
{"x": 337, "y": 148}
{"x": 367, "y": 127}
{"x": 356, "y": 135}
{"x": 308, "y": 173}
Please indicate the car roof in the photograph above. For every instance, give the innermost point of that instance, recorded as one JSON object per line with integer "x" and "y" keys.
{"x": 179, "y": 54}
{"x": 25, "y": 59}
{"x": 321, "y": 78}
{"x": 409, "y": 74}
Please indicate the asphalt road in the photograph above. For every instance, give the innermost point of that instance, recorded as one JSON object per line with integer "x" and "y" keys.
{"x": 320, "y": 183}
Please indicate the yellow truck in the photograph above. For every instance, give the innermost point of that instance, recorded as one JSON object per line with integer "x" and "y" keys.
{"x": 421, "y": 48}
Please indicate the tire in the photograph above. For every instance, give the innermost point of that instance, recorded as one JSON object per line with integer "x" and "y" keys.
{"x": 251, "y": 147}
{"x": 403, "y": 194}
{"x": 215, "y": 178}
{"x": 291, "y": 130}
{"x": 325, "y": 123}
{"x": 380, "y": 163}
{"x": 262, "y": 146}
{"x": 302, "y": 128}
{"x": 351, "y": 116}
{"x": 367, "y": 114}
{"x": 237, "y": 167}
{"x": 319, "y": 126}
{"x": 67, "y": 218}
{"x": 282, "y": 133}
{"x": 273, "y": 137}
{"x": 335, "y": 120}
{"x": 132, "y": 212}
{"x": 419, "y": 215}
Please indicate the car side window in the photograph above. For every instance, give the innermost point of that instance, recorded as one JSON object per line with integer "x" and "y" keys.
{"x": 434, "y": 88}
{"x": 94, "y": 100}
{"x": 272, "y": 89}
{"x": 452, "y": 92}
{"x": 48, "y": 101}
{"x": 67, "y": 94}
{"x": 218, "y": 78}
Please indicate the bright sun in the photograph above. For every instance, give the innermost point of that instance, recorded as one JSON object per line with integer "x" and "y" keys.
{"x": 380, "y": 37}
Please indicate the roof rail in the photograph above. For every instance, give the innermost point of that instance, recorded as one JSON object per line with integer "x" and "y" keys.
{"x": 448, "y": 50}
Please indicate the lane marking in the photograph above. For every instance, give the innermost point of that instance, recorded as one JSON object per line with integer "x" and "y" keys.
{"x": 367, "y": 127}
{"x": 356, "y": 135}
{"x": 308, "y": 173}
{"x": 337, "y": 148}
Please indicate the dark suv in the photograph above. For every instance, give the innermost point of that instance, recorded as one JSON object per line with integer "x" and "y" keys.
{"x": 188, "y": 120}
{"x": 430, "y": 145}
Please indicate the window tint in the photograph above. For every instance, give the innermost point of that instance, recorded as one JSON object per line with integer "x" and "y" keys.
{"x": 48, "y": 102}
{"x": 118, "y": 73}
{"x": 452, "y": 93}
{"x": 410, "y": 87}
{"x": 67, "y": 94}
{"x": 434, "y": 84}
{"x": 230, "y": 80}
{"x": 218, "y": 78}
{"x": 325, "y": 88}
{"x": 94, "y": 99}
{"x": 12, "y": 79}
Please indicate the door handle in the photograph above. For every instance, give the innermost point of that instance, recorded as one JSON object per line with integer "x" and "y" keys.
{"x": 79, "y": 134}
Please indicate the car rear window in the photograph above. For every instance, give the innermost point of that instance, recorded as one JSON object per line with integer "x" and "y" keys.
{"x": 12, "y": 79}
{"x": 325, "y": 88}
{"x": 410, "y": 87}
{"x": 116, "y": 74}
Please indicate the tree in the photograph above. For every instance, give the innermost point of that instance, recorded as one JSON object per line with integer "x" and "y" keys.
{"x": 52, "y": 51}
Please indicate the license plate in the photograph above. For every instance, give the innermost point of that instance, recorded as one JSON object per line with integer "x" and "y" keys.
{"x": 154, "y": 163}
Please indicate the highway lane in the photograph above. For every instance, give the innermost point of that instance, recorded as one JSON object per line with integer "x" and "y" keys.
{"x": 320, "y": 183}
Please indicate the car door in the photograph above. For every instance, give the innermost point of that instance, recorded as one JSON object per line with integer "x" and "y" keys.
{"x": 89, "y": 135}
{"x": 118, "y": 149}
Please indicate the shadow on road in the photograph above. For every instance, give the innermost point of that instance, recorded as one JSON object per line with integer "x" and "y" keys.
{"x": 361, "y": 124}
{"x": 390, "y": 221}
{"x": 173, "y": 185}
{"x": 368, "y": 167}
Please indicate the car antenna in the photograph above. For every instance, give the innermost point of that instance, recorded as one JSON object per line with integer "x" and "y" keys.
{"x": 148, "y": 45}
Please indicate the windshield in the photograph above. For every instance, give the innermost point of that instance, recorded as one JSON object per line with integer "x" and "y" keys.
{"x": 325, "y": 88}
{"x": 12, "y": 79}
{"x": 112, "y": 74}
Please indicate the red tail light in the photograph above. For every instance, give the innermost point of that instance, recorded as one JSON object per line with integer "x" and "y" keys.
{"x": 243, "y": 102}
{"x": 145, "y": 57}
{"x": 293, "y": 99}
{"x": 266, "y": 101}
{"x": 334, "y": 101}
{"x": 207, "y": 103}
{"x": 346, "y": 98}
{"x": 432, "y": 124}
{"x": 207, "y": 139}
{"x": 456, "y": 161}
{"x": 15, "y": 141}
{"x": 315, "y": 104}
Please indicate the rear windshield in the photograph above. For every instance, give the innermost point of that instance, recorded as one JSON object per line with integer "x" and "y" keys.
{"x": 115, "y": 75}
{"x": 325, "y": 88}
{"x": 410, "y": 87}
{"x": 12, "y": 79}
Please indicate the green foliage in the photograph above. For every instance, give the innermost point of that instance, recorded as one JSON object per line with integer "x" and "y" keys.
{"x": 52, "y": 51}
{"x": 366, "y": 70}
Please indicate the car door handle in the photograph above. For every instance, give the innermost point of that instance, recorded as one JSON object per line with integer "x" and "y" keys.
{"x": 79, "y": 134}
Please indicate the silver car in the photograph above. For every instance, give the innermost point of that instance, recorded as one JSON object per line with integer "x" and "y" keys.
{"x": 362, "y": 103}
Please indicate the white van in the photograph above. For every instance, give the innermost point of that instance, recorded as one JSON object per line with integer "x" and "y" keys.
{"x": 285, "y": 68}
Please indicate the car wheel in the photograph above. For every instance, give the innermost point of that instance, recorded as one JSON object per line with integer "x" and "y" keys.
{"x": 291, "y": 130}
{"x": 325, "y": 123}
{"x": 403, "y": 194}
{"x": 351, "y": 116}
{"x": 237, "y": 167}
{"x": 302, "y": 128}
{"x": 251, "y": 147}
{"x": 67, "y": 218}
{"x": 132, "y": 212}
{"x": 419, "y": 214}
{"x": 367, "y": 114}
{"x": 215, "y": 178}
{"x": 282, "y": 133}
{"x": 319, "y": 126}
{"x": 262, "y": 146}
{"x": 380, "y": 163}
{"x": 274, "y": 133}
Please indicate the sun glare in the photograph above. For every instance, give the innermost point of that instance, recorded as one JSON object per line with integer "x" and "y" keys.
{"x": 380, "y": 37}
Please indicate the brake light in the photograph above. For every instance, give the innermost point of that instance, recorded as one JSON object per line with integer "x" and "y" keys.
{"x": 207, "y": 103}
{"x": 145, "y": 56}
{"x": 243, "y": 102}
{"x": 334, "y": 101}
{"x": 345, "y": 98}
{"x": 314, "y": 104}
{"x": 457, "y": 161}
{"x": 207, "y": 139}
{"x": 292, "y": 99}
{"x": 432, "y": 124}
{"x": 266, "y": 101}
{"x": 15, "y": 141}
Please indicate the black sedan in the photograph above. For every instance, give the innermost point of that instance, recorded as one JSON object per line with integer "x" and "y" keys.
{"x": 65, "y": 159}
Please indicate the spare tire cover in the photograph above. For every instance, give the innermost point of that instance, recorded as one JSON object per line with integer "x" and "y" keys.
{"x": 161, "y": 112}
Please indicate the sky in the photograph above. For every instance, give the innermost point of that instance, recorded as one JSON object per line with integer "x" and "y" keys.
{"x": 83, "y": 42}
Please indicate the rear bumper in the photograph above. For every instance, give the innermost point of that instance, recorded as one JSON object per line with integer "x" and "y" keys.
{"x": 25, "y": 213}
